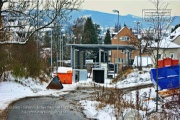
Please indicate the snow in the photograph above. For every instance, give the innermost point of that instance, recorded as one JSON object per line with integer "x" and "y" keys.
{"x": 165, "y": 43}
{"x": 174, "y": 34}
{"x": 64, "y": 69}
{"x": 13, "y": 89}
{"x": 135, "y": 79}
{"x": 108, "y": 112}
{"x": 168, "y": 41}
{"x": 91, "y": 111}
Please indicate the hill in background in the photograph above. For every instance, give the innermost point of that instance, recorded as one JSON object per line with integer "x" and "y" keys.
{"x": 109, "y": 20}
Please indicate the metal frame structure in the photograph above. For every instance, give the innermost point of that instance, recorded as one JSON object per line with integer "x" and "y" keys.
{"x": 105, "y": 47}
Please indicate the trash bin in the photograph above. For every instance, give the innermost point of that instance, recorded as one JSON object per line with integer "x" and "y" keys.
{"x": 65, "y": 75}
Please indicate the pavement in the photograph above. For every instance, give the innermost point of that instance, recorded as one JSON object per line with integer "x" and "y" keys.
{"x": 64, "y": 107}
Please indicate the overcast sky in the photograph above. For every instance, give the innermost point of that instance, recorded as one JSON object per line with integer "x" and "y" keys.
{"x": 125, "y": 7}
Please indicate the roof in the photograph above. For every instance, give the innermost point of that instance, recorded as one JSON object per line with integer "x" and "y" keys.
{"x": 102, "y": 46}
{"x": 174, "y": 34}
{"x": 165, "y": 43}
{"x": 119, "y": 31}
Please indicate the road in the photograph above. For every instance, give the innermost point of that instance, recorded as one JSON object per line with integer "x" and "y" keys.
{"x": 64, "y": 107}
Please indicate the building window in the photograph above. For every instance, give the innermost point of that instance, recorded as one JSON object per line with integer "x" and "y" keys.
{"x": 125, "y": 38}
{"x": 122, "y": 60}
{"x": 172, "y": 55}
{"x": 159, "y": 56}
{"x": 117, "y": 60}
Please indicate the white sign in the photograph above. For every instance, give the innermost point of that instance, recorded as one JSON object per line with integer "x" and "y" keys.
{"x": 154, "y": 15}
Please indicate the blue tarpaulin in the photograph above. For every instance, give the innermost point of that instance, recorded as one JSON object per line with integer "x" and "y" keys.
{"x": 168, "y": 77}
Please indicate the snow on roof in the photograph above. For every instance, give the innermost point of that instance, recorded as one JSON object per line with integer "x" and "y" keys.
{"x": 174, "y": 34}
{"x": 165, "y": 43}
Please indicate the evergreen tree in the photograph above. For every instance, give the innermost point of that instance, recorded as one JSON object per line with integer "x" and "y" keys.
{"x": 90, "y": 35}
{"x": 97, "y": 29}
{"x": 107, "y": 39}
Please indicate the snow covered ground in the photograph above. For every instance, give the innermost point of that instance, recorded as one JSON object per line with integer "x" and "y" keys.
{"x": 12, "y": 90}
{"x": 135, "y": 78}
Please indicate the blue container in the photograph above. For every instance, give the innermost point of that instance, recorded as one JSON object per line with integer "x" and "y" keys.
{"x": 168, "y": 77}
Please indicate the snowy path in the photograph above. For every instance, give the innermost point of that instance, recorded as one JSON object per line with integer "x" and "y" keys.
{"x": 64, "y": 107}
{"x": 45, "y": 108}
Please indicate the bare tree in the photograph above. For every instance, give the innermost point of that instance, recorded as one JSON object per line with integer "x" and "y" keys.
{"x": 159, "y": 19}
{"x": 78, "y": 29}
{"x": 21, "y": 19}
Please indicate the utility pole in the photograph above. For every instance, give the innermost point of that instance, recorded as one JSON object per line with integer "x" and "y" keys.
{"x": 139, "y": 39}
{"x": 37, "y": 44}
{"x": 51, "y": 53}
{"x": 116, "y": 11}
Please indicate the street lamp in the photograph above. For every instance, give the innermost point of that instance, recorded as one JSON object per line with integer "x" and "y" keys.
{"x": 50, "y": 28}
{"x": 37, "y": 42}
{"x": 51, "y": 52}
{"x": 116, "y": 11}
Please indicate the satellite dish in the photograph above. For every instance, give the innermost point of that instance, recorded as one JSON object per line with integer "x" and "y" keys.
{"x": 133, "y": 115}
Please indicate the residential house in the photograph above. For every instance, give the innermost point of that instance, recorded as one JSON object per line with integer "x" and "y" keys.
{"x": 166, "y": 48}
{"x": 175, "y": 36}
{"x": 170, "y": 46}
{"x": 124, "y": 57}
